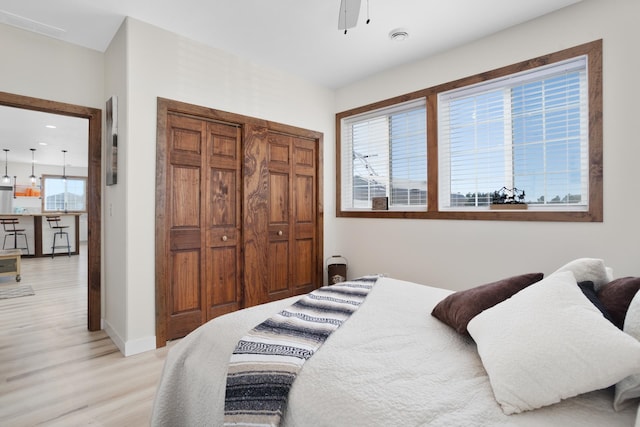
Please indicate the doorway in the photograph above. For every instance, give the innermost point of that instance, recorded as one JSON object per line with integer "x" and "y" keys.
{"x": 94, "y": 189}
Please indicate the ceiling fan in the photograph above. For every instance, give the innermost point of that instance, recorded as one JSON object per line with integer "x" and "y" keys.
{"x": 348, "y": 14}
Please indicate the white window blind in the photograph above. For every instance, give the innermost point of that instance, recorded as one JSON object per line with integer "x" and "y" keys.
{"x": 384, "y": 154}
{"x": 527, "y": 131}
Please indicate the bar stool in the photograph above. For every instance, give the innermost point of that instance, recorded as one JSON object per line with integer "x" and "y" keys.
{"x": 10, "y": 230}
{"x": 54, "y": 224}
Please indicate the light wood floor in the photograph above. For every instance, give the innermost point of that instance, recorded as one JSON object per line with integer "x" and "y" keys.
{"x": 53, "y": 371}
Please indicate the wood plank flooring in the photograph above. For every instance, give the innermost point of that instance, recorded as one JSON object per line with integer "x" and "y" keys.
{"x": 53, "y": 371}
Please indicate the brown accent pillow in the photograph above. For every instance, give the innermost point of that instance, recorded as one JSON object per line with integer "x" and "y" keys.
{"x": 457, "y": 309}
{"x": 616, "y": 297}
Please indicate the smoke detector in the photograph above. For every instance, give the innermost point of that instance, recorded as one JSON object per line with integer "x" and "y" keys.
{"x": 398, "y": 35}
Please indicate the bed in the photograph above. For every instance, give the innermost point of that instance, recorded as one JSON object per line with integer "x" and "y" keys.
{"x": 393, "y": 363}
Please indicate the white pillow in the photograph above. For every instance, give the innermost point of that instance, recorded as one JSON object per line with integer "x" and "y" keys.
{"x": 584, "y": 269}
{"x": 609, "y": 274}
{"x": 629, "y": 388}
{"x": 548, "y": 342}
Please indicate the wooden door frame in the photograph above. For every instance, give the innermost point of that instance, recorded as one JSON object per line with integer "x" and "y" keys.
{"x": 94, "y": 189}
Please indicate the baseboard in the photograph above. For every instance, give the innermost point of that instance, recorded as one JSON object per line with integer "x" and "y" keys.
{"x": 119, "y": 342}
{"x": 140, "y": 345}
{"x": 129, "y": 348}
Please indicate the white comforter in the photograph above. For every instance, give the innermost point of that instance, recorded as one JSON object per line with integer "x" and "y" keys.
{"x": 390, "y": 364}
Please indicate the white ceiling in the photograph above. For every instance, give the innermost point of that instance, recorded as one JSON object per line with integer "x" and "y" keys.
{"x": 21, "y": 130}
{"x": 299, "y": 37}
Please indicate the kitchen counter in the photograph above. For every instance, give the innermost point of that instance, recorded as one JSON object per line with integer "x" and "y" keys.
{"x": 40, "y": 235}
{"x": 17, "y": 215}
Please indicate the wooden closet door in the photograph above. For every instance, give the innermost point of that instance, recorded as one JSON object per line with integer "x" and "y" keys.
{"x": 223, "y": 220}
{"x": 305, "y": 205}
{"x": 185, "y": 295}
{"x": 292, "y": 208}
{"x": 239, "y": 214}
{"x": 280, "y": 216}
{"x": 203, "y": 199}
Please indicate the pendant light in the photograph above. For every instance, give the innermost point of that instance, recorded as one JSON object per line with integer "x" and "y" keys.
{"x": 32, "y": 177}
{"x": 64, "y": 165}
{"x": 6, "y": 179}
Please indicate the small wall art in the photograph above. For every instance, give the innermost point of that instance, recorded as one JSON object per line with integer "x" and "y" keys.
{"x": 112, "y": 140}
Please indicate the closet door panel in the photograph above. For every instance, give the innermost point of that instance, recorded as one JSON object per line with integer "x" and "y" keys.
{"x": 223, "y": 293}
{"x": 278, "y": 267}
{"x": 182, "y": 240}
{"x": 223, "y": 219}
{"x": 279, "y": 234}
{"x": 278, "y": 198}
{"x": 185, "y": 135}
{"x": 185, "y": 189}
{"x": 305, "y": 213}
{"x": 185, "y": 295}
{"x": 279, "y": 151}
{"x": 222, "y": 210}
{"x": 304, "y": 200}
{"x": 184, "y": 292}
{"x": 184, "y": 180}
{"x": 280, "y": 213}
{"x": 304, "y": 264}
{"x": 255, "y": 227}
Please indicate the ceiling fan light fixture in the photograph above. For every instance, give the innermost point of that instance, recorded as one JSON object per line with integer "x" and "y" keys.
{"x": 348, "y": 15}
{"x": 398, "y": 35}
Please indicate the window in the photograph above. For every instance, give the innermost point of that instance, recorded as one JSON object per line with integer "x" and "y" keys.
{"x": 64, "y": 195}
{"x": 527, "y": 131}
{"x": 534, "y": 126}
{"x": 384, "y": 155}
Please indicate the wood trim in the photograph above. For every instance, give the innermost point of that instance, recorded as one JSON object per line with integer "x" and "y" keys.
{"x": 94, "y": 189}
{"x": 595, "y": 212}
{"x": 162, "y": 233}
{"x": 37, "y": 235}
{"x": 320, "y": 208}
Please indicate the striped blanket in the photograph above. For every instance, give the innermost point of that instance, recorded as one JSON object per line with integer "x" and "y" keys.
{"x": 267, "y": 360}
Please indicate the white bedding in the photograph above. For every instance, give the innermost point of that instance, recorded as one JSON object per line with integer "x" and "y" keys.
{"x": 390, "y": 364}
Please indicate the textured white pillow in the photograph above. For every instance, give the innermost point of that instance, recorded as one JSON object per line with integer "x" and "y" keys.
{"x": 609, "y": 274}
{"x": 592, "y": 269}
{"x": 548, "y": 342}
{"x": 629, "y": 388}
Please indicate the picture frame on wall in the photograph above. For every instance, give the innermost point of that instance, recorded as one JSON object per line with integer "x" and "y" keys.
{"x": 112, "y": 140}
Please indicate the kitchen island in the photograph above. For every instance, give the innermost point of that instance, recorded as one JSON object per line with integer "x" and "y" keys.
{"x": 39, "y": 235}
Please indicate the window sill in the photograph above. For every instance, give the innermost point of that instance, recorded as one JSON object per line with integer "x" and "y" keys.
{"x": 509, "y": 207}
{"x": 484, "y": 215}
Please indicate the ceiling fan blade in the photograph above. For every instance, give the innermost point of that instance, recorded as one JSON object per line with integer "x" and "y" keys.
{"x": 348, "y": 15}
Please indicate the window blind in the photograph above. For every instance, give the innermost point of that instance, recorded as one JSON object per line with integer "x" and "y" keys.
{"x": 384, "y": 155}
{"x": 526, "y": 131}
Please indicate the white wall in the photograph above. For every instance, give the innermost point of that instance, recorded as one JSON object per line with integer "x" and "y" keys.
{"x": 41, "y": 67}
{"x": 114, "y": 289}
{"x": 461, "y": 254}
{"x": 162, "y": 64}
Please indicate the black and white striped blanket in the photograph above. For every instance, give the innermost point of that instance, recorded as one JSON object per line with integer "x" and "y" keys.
{"x": 267, "y": 360}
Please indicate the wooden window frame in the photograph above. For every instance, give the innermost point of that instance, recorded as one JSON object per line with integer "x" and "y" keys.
{"x": 44, "y": 193}
{"x": 594, "y": 213}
